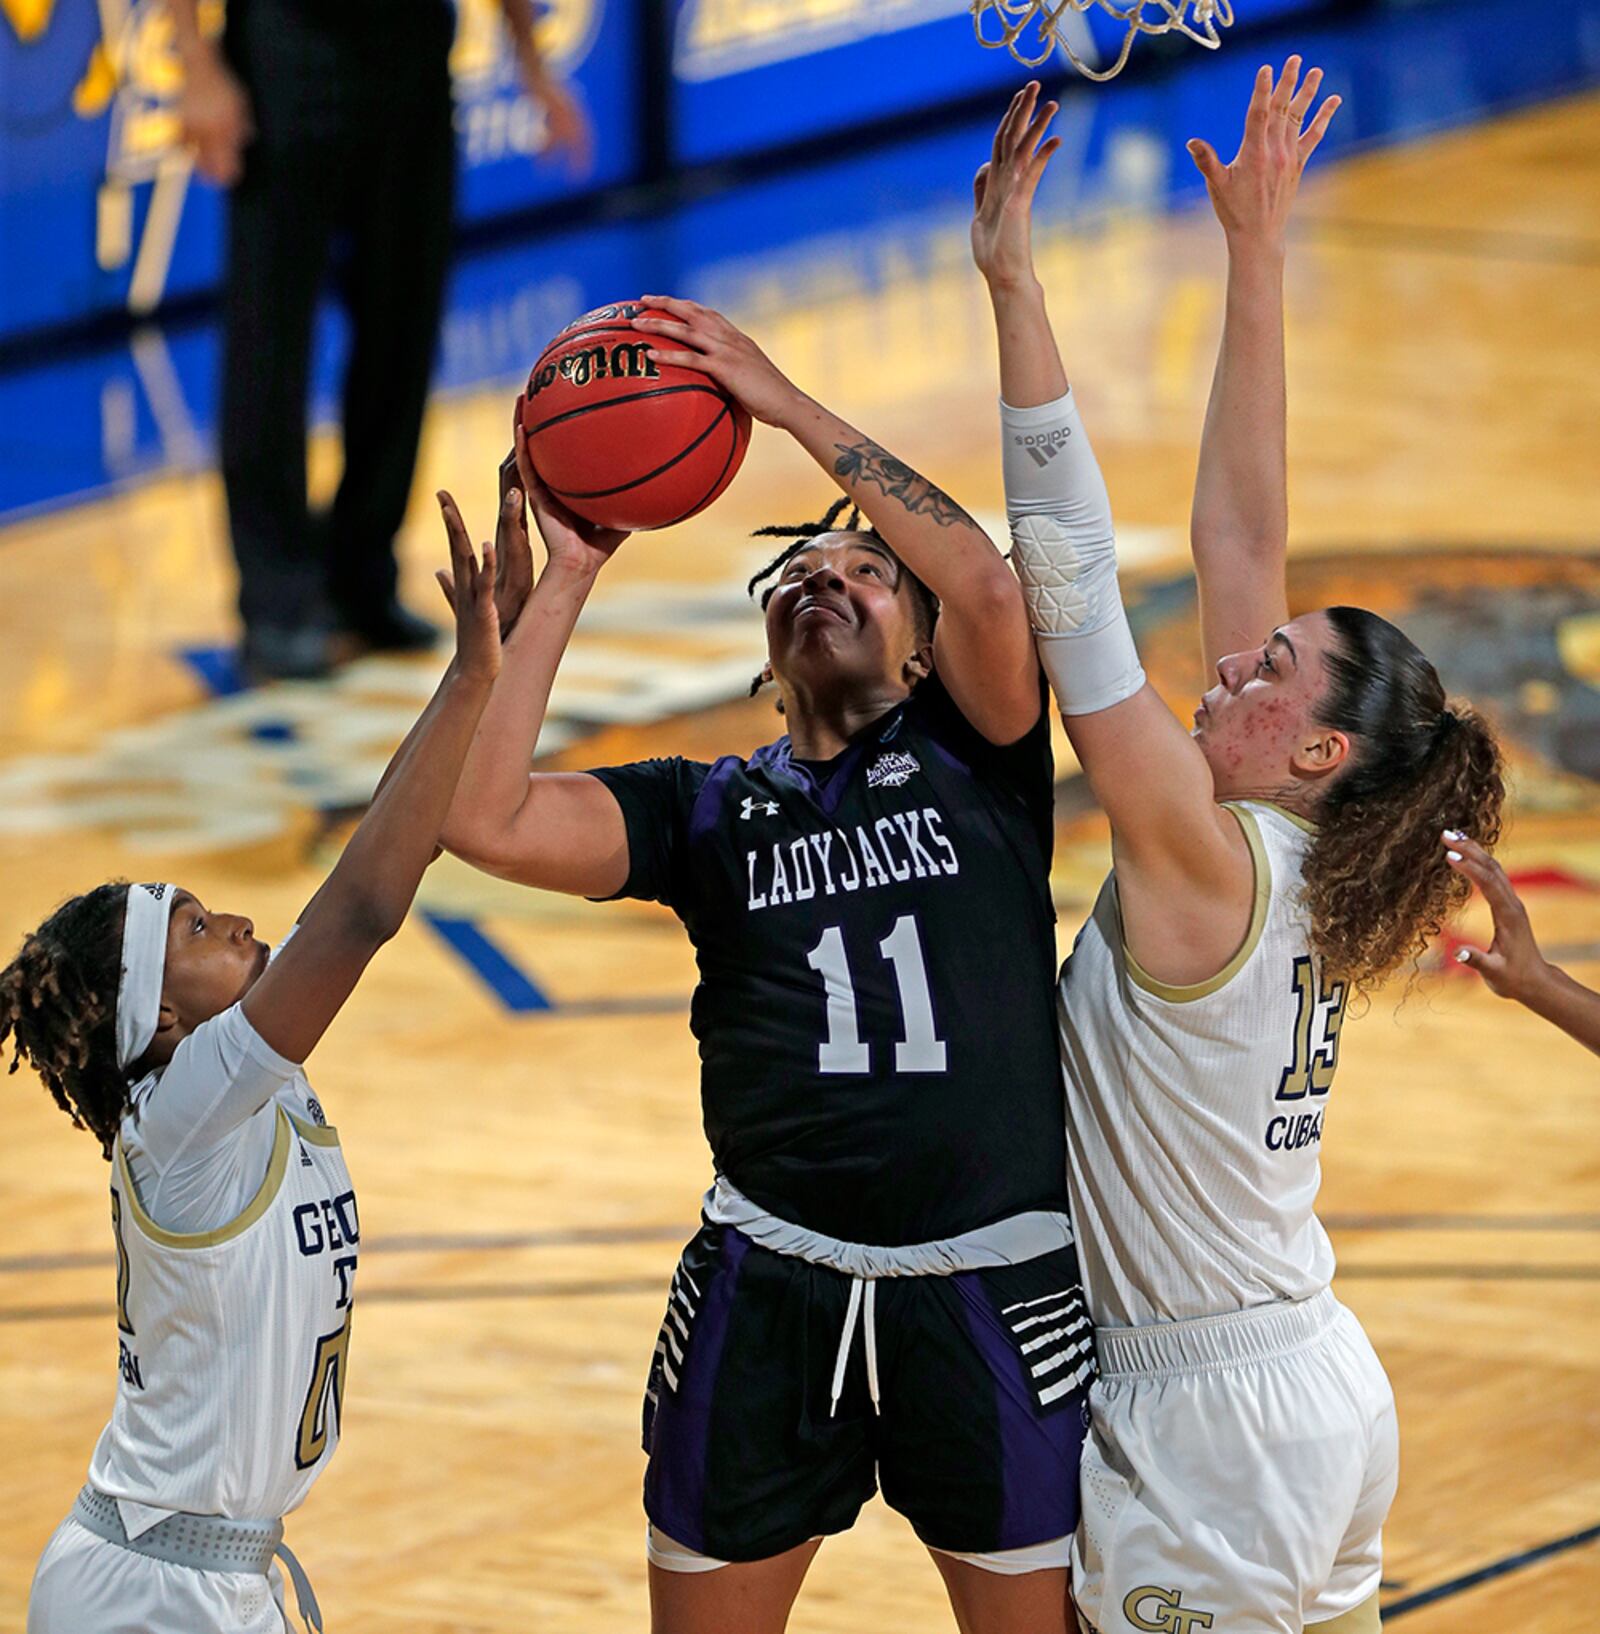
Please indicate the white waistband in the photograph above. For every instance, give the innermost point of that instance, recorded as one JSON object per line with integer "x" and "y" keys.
{"x": 1207, "y": 1343}
{"x": 1015, "y": 1241}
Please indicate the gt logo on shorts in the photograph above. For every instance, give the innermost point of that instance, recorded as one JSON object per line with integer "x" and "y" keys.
{"x": 1162, "y": 1611}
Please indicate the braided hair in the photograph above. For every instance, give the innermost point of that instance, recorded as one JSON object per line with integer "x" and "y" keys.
{"x": 58, "y": 1007}
{"x": 925, "y": 605}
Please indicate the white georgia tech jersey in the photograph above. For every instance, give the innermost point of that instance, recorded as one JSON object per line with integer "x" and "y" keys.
{"x": 1195, "y": 1114}
{"x": 233, "y": 1342}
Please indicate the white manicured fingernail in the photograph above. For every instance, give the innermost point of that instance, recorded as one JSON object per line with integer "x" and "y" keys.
{"x": 1463, "y": 955}
{"x": 1454, "y": 856}
{"x": 1453, "y": 834}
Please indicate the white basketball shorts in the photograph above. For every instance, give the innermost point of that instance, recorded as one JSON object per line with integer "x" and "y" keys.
{"x": 85, "y": 1585}
{"x": 1236, "y": 1475}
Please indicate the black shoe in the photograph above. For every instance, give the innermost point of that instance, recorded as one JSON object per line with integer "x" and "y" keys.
{"x": 393, "y": 629}
{"x": 274, "y": 652}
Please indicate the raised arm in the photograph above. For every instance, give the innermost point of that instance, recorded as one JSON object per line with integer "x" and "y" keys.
{"x": 559, "y": 831}
{"x": 982, "y": 648}
{"x": 1183, "y": 867}
{"x": 366, "y": 898}
{"x": 1240, "y": 523}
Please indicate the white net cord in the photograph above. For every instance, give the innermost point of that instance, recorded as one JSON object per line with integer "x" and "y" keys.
{"x": 1031, "y": 29}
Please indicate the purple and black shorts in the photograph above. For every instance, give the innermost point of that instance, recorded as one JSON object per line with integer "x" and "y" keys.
{"x": 981, "y": 1378}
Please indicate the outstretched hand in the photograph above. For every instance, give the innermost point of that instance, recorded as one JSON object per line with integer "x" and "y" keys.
{"x": 692, "y": 336}
{"x": 1512, "y": 964}
{"x": 469, "y": 588}
{"x": 513, "y": 557}
{"x": 1003, "y": 189}
{"x": 1254, "y": 195}
{"x": 570, "y": 542}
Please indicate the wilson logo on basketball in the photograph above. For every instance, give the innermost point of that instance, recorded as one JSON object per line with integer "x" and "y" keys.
{"x": 627, "y": 360}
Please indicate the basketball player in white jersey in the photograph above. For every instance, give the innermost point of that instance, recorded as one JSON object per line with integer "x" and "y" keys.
{"x": 176, "y": 1038}
{"x": 1242, "y": 1451}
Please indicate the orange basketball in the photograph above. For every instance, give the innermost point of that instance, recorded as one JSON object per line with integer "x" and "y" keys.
{"x": 622, "y": 440}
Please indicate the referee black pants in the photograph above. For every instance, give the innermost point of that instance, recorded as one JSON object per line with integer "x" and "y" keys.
{"x": 352, "y": 169}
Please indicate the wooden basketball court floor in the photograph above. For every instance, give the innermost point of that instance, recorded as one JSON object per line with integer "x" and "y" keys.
{"x": 527, "y": 1175}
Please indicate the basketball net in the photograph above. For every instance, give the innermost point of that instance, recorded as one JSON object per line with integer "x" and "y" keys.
{"x": 1031, "y": 29}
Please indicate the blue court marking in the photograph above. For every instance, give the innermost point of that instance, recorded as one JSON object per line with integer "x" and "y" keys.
{"x": 1485, "y": 1574}
{"x": 218, "y": 669}
{"x": 515, "y": 989}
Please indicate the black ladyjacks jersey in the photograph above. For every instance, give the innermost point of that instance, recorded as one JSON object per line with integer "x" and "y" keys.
{"x": 876, "y": 947}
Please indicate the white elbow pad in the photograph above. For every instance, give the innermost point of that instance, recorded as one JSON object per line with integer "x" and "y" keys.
{"x": 1064, "y": 552}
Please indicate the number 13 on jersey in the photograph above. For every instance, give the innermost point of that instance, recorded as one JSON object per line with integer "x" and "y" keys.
{"x": 919, "y": 1049}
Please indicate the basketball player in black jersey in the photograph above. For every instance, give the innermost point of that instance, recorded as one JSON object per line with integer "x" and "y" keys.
{"x": 884, "y": 1286}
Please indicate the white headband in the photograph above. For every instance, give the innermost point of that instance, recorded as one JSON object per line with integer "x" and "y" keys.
{"x": 144, "y": 962}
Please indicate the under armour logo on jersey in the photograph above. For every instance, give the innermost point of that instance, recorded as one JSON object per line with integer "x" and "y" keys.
{"x": 768, "y": 808}
{"x": 1162, "y": 1611}
{"x": 892, "y": 769}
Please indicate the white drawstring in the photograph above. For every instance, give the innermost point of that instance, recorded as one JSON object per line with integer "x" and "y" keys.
{"x": 842, "y": 1361}
{"x": 872, "y": 1344}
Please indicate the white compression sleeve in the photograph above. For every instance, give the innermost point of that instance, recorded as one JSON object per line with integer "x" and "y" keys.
{"x": 1064, "y": 551}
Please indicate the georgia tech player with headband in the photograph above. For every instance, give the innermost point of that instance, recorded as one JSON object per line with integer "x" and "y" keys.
{"x": 884, "y": 1287}
{"x": 175, "y": 1038}
{"x": 1242, "y": 1451}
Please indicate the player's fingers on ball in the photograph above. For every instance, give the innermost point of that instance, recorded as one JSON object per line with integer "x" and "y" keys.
{"x": 680, "y": 360}
{"x": 531, "y": 484}
{"x": 665, "y": 326}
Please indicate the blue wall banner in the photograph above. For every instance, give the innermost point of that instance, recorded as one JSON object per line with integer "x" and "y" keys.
{"x": 752, "y": 74}
{"x": 100, "y": 208}
{"x": 859, "y": 223}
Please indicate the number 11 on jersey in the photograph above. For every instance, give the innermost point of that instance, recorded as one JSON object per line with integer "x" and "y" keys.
{"x": 843, "y": 1050}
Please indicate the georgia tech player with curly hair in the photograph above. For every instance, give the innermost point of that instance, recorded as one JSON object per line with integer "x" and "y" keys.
{"x": 1243, "y": 1449}
{"x": 175, "y": 1037}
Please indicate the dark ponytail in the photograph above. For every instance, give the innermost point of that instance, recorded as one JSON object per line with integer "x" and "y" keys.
{"x": 58, "y": 1005}
{"x": 1377, "y": 884}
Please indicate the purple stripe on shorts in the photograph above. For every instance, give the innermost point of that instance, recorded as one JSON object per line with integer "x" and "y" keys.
{"x": 675, "y": 1478}
{"x": 1039, "y": 1451}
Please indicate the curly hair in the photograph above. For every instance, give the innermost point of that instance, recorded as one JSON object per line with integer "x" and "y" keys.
{"x": 924, "y": 604}
{"x": 1377, "y": 884}
{"x": 58, "y": 1006}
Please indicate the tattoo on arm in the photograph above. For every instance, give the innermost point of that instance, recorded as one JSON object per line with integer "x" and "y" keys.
{"x": 865, "y": 462}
